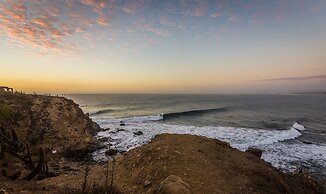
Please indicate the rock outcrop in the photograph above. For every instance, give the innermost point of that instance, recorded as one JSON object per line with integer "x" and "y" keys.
{"x": 255, "y": 151}
{"x": 55, "y": 123}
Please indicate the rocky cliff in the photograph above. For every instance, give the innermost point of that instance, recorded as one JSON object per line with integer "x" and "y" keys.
{"x": 51, "y": 122}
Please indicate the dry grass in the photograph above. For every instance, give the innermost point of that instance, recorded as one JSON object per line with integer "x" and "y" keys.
{"x": 92, "y": 186}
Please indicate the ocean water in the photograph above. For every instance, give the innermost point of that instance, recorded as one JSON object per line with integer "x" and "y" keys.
{"x": 290, "y": 129}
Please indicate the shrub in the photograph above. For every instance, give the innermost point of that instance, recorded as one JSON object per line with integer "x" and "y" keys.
{"x": 6, "y": 113}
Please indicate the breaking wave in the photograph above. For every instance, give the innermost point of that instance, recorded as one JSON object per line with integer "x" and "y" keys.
{"x": 192, "y": 112}
{"x": 143, "y": 119}
{"x": 104, "y": 111}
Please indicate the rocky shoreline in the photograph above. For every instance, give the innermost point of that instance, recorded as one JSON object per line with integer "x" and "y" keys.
{"x": 53, "y": 134}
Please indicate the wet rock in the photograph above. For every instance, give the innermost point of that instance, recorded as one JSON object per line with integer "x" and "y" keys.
{"x": 118, "y": 130}
{"x": 138, "y": 133}
{"x": 111, "y": 152}
{"x": 255, "y": 151}
{"x": 104, "y": 139}
{"x": 174, "y": 185}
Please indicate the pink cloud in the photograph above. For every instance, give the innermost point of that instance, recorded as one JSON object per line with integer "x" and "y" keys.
{"x": 103, "y": 20}
{"x": 44, "y": 25}
{"x": 166, "y": 21}
{"x": 157, "y": 31}
{"x": 50, "y": 24}
{"x": 234, "y": 18}
{"x": 216, "y": 14}
{"x": 201, "y": 8}
{"x": 42, "y": 22}
{"x": 133, "y": 6}
{"x": 96, "y": 5}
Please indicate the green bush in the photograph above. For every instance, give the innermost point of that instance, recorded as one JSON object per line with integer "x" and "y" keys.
{"x": 6, "y": 113}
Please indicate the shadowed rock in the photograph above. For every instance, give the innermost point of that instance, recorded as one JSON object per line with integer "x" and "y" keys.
{"x": 138, "y": 133}
{"x": 255, "y": 151}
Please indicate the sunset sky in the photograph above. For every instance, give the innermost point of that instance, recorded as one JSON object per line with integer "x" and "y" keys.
{"x": 163, "y": 46}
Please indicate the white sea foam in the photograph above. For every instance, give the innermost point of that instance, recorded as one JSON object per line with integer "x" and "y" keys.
{"x": 288, "y": 157}
{"x": 240, "y": 138}
{"x": 281, "y": 154}
{"x": 299, "y": 127}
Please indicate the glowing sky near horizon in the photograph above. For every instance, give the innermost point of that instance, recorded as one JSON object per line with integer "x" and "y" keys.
{"x": 163, "y": 46}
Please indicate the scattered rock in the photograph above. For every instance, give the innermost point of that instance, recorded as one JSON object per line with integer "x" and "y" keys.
{"x": 255, "y": 151}
{"x": 118, "y": 130}
{"x": 174, "y": 185}
{"x": 138, "y": 133}
{"x": 104, "y": 139}
{"x": 2, "y": 191}
{"x": 111, "y": 152}
{"x": 76, "y": 153}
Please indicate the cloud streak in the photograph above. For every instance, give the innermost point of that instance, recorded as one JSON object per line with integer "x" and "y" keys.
{"x": 298, "y": 78}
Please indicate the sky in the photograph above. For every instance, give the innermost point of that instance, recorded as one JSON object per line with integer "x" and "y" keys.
{"x": 163, "y": 46}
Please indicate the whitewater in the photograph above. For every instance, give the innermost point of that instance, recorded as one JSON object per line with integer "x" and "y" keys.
{"x": 279, "y": 147}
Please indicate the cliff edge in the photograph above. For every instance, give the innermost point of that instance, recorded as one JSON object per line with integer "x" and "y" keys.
{"x": 51, "y": 122}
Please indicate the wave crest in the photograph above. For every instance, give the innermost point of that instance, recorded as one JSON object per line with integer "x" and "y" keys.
{"x": 192, "y": 112}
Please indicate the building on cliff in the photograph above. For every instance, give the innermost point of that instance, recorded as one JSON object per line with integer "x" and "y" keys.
{"x": 6, "y": 89}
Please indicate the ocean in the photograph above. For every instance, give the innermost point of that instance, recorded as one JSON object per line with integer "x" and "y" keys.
{"x": 289, "y": 129}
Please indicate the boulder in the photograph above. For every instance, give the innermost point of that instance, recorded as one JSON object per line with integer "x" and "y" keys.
{"x": 138, "y": 133}
{"x": 255, "y": 151}
{"x": 174, "y": 185}
{"x": 111, "y": 152}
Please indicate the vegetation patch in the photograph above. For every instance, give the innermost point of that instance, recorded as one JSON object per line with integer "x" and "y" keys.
{"x": 6, "y": 113}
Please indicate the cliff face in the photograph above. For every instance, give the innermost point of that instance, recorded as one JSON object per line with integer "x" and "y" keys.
{"x": 51, "y": 122}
